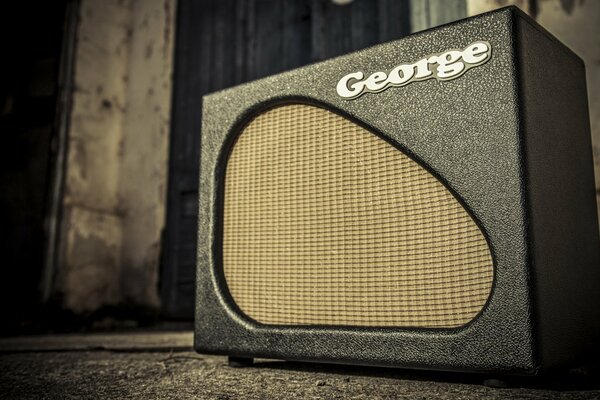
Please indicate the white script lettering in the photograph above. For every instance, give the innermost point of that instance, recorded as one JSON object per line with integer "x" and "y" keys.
{"x": 444, "y": 66}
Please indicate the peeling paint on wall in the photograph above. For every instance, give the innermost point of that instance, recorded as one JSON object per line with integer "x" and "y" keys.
{"x": 114, "y": 201}
{"x": 92, "y": 250}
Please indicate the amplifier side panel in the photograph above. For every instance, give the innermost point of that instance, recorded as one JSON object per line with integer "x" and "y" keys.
{"x": 561, "y": 196}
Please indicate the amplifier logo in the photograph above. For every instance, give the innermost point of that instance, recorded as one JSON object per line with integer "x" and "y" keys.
{"x": 443, "y": 67}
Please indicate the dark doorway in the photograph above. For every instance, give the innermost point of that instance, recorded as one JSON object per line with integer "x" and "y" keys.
{"x": 32, "y": 35}
{"x": 221, "y": 43}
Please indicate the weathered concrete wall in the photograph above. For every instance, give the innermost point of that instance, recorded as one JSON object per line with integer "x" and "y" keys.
{"x": 577, "y": 24}
{"x": 91, "y": 226}
{"x": 115, "y": 186}
{"x": 143, "y": 177}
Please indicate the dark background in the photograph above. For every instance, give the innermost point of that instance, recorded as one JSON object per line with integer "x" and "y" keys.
{"x": 32, "y": 41}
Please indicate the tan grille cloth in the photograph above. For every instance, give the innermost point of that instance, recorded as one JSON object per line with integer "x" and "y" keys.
{"x": 326, "y": 223}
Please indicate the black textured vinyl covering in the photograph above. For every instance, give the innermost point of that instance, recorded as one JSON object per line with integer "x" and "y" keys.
{"x": 469, "y": 131}
{"x": 561, "y": 197}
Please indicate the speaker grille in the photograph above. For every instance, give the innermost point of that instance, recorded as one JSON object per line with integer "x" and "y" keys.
{"x": 326, "y": 223}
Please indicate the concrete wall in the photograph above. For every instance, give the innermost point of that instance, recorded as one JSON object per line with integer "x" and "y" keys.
{"x": 115, "y": 184}
{"x": 577, "y": 24}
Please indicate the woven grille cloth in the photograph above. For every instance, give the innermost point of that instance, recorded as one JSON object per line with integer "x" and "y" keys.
{"x": 326, "y": 223}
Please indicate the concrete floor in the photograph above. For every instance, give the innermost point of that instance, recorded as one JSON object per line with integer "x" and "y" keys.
{"x": 163, "y": 366}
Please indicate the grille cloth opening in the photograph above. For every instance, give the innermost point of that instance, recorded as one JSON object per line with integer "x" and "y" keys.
{"x": 326, "y": 223}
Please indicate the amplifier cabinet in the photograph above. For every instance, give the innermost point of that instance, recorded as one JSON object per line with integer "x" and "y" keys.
{"x": 424, "y": 203}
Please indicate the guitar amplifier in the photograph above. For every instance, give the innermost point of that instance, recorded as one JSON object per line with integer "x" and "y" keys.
{"x": 424, "y": 203}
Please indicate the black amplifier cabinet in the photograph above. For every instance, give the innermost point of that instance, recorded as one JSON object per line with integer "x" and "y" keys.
{"x": 425, "y": 203}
